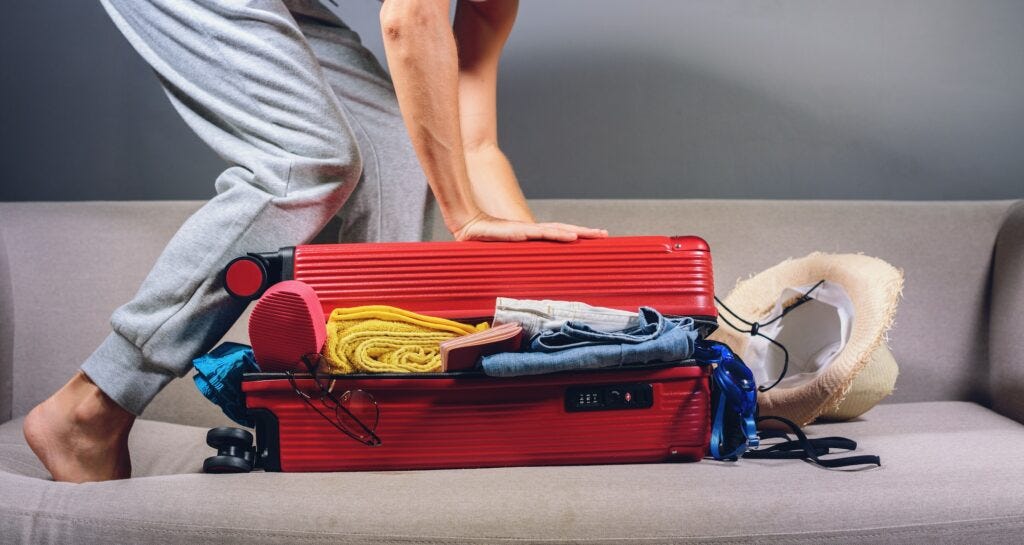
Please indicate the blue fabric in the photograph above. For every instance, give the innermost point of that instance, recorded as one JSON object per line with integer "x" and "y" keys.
{"x": 736, "y": 392}
{"x": 219, "y": 378}
{"x": 576, "y": 334}
{"x": 578, "y": 346}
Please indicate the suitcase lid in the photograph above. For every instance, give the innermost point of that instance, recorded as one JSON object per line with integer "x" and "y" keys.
{"x": 461, "y": 280}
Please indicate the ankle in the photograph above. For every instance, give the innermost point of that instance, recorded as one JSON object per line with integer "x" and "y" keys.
{"x": 90, "y": 408}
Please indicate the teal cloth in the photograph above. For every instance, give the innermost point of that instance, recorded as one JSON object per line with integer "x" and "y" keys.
{"x": 219, "y": 378}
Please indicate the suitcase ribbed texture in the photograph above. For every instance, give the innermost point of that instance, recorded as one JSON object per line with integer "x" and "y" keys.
{"x": 477, "y": 421}
{"x": 285, "y": 326}
{"x": 439, "y": 423}
{"x": 462, "y": 279}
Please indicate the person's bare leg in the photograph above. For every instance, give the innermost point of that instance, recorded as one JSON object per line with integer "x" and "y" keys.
{"x": 80, "y": 434}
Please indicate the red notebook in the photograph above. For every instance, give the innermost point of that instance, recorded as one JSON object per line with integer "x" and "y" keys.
{"x": 463, "y": 353}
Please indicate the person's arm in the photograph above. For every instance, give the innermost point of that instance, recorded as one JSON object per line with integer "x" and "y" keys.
{"x": 481, "y": 30}
{"x": 420, "y": 48}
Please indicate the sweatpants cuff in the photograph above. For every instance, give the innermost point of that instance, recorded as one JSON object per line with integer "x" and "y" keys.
{"x": 118, "y": 368}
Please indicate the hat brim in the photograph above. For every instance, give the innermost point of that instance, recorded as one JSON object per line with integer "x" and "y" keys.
{"x": 873, "y": 286}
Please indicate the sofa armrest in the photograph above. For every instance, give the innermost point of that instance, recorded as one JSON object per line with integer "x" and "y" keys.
{"x": 6, "y": 334}
{"x": 1006, "y": 320}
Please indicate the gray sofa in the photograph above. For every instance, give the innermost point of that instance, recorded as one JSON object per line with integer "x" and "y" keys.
{"x": 949, "y": 437}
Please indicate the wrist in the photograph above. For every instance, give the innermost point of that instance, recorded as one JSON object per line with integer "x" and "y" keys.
{"x": 457, "y": 219}
{"x": 495, "y": 187}
{"x": 510, "y": 211}
{"x": 461, "y": 229}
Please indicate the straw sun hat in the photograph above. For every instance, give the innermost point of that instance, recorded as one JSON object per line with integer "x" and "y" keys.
{"x": 839, "y": 363}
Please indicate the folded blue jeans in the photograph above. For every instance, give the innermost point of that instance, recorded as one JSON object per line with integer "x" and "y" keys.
{"x": 578, "y": 346}
{"x": 575, "y": 334}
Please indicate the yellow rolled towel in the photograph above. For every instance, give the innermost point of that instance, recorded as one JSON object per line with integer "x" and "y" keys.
{"x": 383, "y": 339}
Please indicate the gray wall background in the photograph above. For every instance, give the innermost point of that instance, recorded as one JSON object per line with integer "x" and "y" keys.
{"x": 879, "y": 99}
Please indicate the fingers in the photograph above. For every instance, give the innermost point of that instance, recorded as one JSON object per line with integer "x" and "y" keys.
{"x": 584, "y": 232}
{"x": 547, "y": 232}
{"x": 515, "y": 232}
{"x": 487, "y": 228}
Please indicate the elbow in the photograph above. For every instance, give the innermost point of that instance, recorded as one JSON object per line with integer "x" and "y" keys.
{"x": 478, "y": 145}
{"x": 391, "y": 22}
{"x": 400, "y": 19}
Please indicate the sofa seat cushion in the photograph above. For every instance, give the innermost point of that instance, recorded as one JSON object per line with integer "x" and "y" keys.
{"x": 950, "y": 474}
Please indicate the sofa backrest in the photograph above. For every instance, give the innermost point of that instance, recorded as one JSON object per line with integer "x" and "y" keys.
{"x": 71, "y": 264}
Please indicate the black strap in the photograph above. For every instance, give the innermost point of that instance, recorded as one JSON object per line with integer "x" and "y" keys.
{"x": 755, "y": 328}
{"x": 808, "y": 449}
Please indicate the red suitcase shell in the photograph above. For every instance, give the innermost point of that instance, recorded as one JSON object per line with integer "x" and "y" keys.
{"x": 461, "y": 420}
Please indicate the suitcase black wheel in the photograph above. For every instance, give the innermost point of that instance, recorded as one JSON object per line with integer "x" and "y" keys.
{"x": 225, "y": 437}
{"x": 235, "y": 453}
{"x": 226, "y": 464}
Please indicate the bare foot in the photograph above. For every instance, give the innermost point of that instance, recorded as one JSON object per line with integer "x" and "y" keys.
{"x": 80, "y": 434}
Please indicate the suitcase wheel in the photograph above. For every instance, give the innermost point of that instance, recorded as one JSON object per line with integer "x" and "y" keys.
{"x": 226, "y": 464}
{"x": 235, "y": 453}
{"x": 225, "y": 437}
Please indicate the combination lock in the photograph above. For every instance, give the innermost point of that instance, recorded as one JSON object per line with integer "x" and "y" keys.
{"x": 609, "y": 398}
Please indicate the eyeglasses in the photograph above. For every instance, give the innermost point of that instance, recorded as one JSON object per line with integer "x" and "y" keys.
{"x": 355, "y": 413}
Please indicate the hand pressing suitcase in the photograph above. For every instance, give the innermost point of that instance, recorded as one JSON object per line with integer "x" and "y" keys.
{"x": 628, "y": 414}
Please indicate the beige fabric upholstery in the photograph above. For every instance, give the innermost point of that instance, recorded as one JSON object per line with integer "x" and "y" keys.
{"x": 85, "y": 259}
{"x": 948, "y": 474}
{"x": 946, "y": 478}
{"x": 1006, "y": 341}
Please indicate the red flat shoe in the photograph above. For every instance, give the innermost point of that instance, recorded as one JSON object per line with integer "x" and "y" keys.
{"x": 286, "y": 324}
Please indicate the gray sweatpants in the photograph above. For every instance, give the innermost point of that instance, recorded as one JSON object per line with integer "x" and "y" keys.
{"x": 308, "y": 123}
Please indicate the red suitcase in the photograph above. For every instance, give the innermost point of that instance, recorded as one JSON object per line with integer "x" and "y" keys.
{"x": 649, "y": 413}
